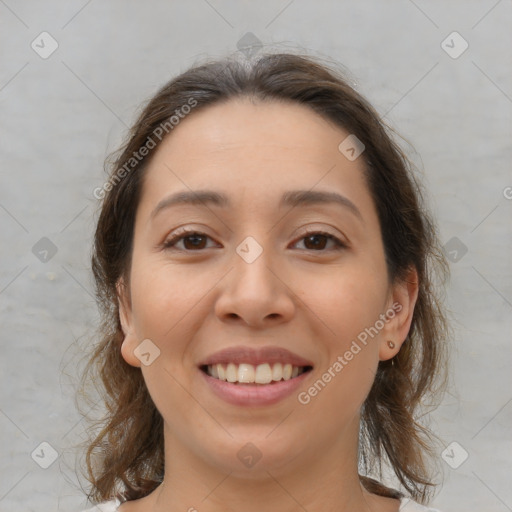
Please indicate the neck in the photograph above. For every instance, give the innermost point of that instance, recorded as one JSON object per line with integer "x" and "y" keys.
{"x": 310, "y": 481}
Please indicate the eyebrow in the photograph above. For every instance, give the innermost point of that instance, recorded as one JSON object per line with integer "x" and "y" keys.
{"x": 291, "y": 198}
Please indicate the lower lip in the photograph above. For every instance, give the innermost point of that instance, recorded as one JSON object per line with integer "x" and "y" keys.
{"x": 254, "y": 394}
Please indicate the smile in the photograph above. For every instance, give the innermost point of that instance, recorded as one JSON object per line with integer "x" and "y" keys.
{"x": 266, "y": 373}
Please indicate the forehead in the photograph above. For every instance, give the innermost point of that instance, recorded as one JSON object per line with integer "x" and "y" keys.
{"x": 285, "y": 127}
{"x": 250, "y": 149}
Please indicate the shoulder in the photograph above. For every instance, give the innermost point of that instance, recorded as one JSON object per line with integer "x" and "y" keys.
{"x": 107, "y": 506}
{"x": 407, "y": 505}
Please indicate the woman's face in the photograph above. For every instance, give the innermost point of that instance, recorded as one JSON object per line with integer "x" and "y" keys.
{"x": 270, "y": 268}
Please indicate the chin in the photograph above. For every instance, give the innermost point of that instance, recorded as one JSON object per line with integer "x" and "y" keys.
{"x": 254, "y": 457}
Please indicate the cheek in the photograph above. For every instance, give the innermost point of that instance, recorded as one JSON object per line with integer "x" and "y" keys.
{"x": 348, "y": 305}
{"x": 162, "y": 296}
{"x": 346, "y": 299}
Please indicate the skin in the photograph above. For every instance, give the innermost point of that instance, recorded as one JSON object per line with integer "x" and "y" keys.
{"x": 312, "y": 301}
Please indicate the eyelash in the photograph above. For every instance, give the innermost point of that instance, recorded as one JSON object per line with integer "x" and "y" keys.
{"x": 169, "y": 244}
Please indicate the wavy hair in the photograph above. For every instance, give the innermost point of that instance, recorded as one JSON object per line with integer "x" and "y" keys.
{"x": 125, "y": 455}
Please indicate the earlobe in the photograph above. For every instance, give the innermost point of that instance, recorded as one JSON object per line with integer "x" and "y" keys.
{"x": 129, "y": 343}
{"x": 400, "y": 314}
{"x": 128, "y": 347}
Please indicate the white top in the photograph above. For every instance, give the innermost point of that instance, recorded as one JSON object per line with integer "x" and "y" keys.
{"x": 406, "y": 505}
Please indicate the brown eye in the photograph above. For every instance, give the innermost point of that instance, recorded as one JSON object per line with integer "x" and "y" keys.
{"x": 192, "y": 241}
{"x": 195, "y": 241}
{"x": 317, "y": 241}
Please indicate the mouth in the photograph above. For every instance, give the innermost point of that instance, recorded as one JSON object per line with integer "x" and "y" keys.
{"x": 261, "y": 374}
{"x": 255, "y": 377}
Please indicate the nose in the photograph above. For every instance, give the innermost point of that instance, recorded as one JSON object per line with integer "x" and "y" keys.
{"x": 256, "y": 293}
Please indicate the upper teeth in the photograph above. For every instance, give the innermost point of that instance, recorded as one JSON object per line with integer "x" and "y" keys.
{"x": 261, "y": 374}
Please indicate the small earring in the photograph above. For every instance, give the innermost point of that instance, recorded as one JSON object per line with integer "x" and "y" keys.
{"x": 391, "y": 345}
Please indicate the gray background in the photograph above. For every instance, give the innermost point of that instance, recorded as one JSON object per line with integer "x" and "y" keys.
{"x": 61, "y": 115}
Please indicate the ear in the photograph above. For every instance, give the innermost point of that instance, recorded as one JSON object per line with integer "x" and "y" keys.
{"x": 400, "y": 311}
{"x": 130, "y": 341}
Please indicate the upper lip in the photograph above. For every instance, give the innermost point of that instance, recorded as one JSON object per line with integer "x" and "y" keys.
{"x": 255, "y": 356}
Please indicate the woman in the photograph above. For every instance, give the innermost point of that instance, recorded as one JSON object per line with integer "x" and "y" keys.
{"x": 265, "y": 270}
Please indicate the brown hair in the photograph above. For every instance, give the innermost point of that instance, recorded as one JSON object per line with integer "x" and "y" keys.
{"x": 126, "y": 458}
